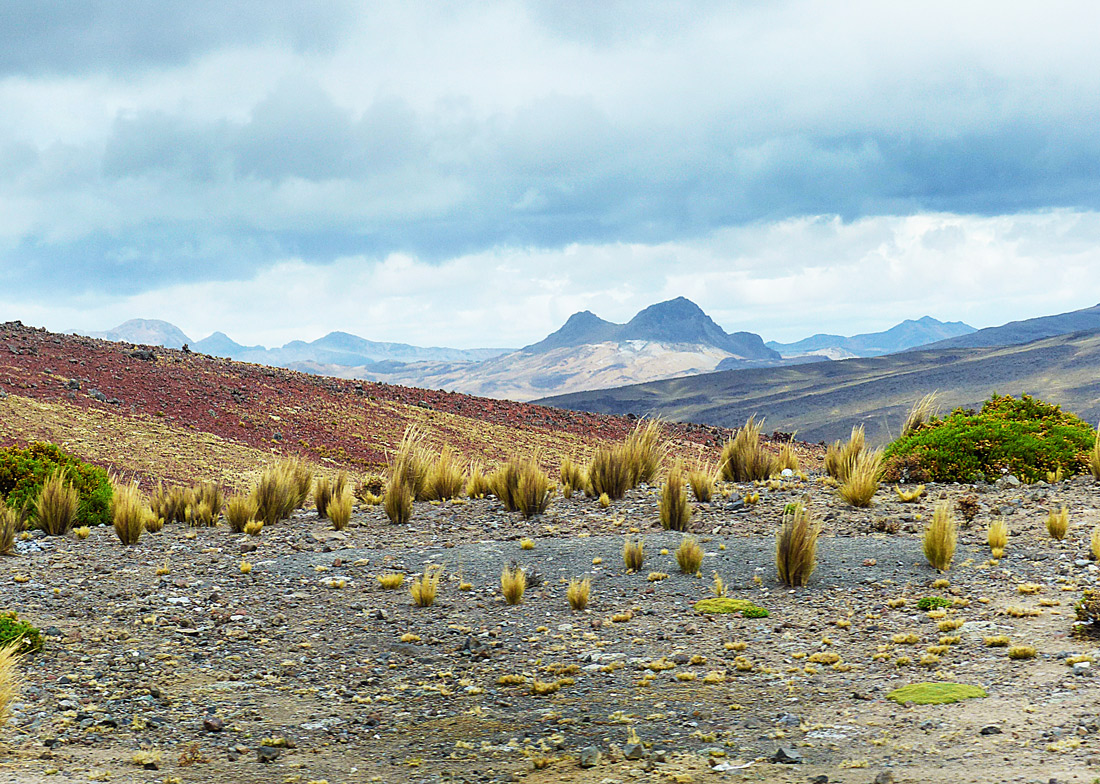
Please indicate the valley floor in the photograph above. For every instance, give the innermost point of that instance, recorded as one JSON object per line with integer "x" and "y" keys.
{"x": 347, "y": 682}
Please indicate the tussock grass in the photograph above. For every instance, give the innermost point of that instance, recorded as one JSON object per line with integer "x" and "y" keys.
{"x": 788, "y": 458}
{"x": 701, "y": 478}
{"x": 275, "y": 494}
{"x": 1094, "y": 543}
{"x": 608, "y": 473}
{"x": 301, "y": 477}
{"x": 445, "y": 478}
{"x": 254, "y": 527}
{"x": 997, "y": 536}
{"x": 128, "y": 513}
{"x": 689, "y": 555}
{"x": 211, "y": 495}
{"x": 513, "y": 582}
{"x": 153, "y": 524}
{"x": 634, "y": 554}
{"x": 521, "y": 486}
{"x": 477, "y": 483}
{"x": 339, "y": 509}
{"x": 909, "y": 496}
{"x": 744, "y": 458}
{"x": 56, "y": 505}
{"x": 796, "y": 545}
{"x": 1094, "y": 456}
{"x": 392, "y": 581}
{"x": 643, "y": 452}
{"x": 923, "y": 411}
{"x": 10, "y": 681}
{"x": 411, "y": 464}
{"x": 424, "y": 588}
{"x": 861, "y": 482}
{"x": 940, "y": 537}
{"x": 397, "y": 502}
{"x": 1058, "y": 523}
{"x": 674, "y": 509}
{"x": 840, "y": 458}
{"x": 577, "y": 593}
{"x": 10, "y": 525}
{"x": 239, "y": 511}
{"x": 322, "y": 494}
{"x": 571, "y": 476}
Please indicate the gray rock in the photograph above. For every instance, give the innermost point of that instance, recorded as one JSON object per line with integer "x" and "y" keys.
{"x": 268, "y": 753}
{"x": 990, "y": 729}
{"x": 885, "y": 777}
{"x": 212, "y": 724}
{"x": 787, "y": 755}
{"x": 589, "y": 757}
{"x": 633, "y": 751}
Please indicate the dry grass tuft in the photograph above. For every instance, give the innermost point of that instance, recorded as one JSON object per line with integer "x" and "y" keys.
{"x": 1058, "y": 523}
{"x": 445, "y": 479}
{"x": 940, "y": 537}
{"x": 674, "y": 509}
{"x": 909, "y": 496}
{"x": 788, "y": 458}
{"x": 922, "y": 412}
{"x": 339, "y": 509}
{"x": 210, "y": 495}
{"x": 997, "y": 537}
{"x": 128, "y": 513}
{"x": 425, "y": 587}
{"x": 840, "y": 458}
{"x": 390, "y": 582}
{"x": 10, "y": 525}
{"x": 1094, "y": 457}
{"x": 862, "y": 478}
{"x": 411, "y": 465}
{"x": 689, "y": 555}
{"x": 301, "y": 478}
{"x": 513, "y": 582}
{"x": 522, "y": 487}
{"x": 702, "y": 479}
{"x": 397, "y": 502}
{"x": 643, "y": 452}
{"x": 1094, "y": 543}
{"x": 239, "y": 511}
{"x": 56, "y": 505}
{"x": 634, "y": 554}
{"x": 796, "y": 545}
{"x": 744, "y": 458}
{"x": 275, "y": 494}
{"x": 571, "y": 476}
{"x": 608, "y": 473}
{"x": 577, "y": 593}
{"x": 322, "y": 494}
{"x": 10, "y": 682}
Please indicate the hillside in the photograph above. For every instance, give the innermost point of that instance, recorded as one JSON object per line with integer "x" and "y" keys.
{"x": 908, "y": 334}
{"x": 1017, "y": 332}
{"x": 167, "y": 413}
{"x": 823, "y": 400}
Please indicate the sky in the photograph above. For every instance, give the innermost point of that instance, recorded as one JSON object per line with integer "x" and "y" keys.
{"x": 471, "y": 173}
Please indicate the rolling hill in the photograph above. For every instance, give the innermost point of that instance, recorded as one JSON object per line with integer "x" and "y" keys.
{"x": 908, "y": 334}
{"x": 1016, "y": 332}
{"x": 823, "y": 400}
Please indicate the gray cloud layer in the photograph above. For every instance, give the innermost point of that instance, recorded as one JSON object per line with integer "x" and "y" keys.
{"x": 623, "y": 124}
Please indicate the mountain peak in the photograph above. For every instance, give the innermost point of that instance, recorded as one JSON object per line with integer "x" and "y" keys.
{"x": 148, "y": 332}
{"x": 580, "y": 328}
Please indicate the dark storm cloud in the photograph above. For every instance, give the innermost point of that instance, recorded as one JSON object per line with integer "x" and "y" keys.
{"x": 67, "y": 37}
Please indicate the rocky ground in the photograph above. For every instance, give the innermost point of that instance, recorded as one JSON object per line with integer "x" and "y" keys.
{"x": 164, "y": 662}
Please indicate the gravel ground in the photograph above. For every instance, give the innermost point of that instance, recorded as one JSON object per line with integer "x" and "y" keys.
{"x": 204, "y": 664}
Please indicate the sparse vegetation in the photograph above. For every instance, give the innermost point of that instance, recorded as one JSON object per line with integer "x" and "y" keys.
{"x": 577, "y": 593}
{"x": 940, "y": 536}
{"x": 128, "y": 513}
{"x": 997, "y": 537}
{"x": 861, "y": 482}
{"x": 796, "y": 545}
{"x": 1025, "y": 437}
{"x": 513, "y": 582}
{"x": 841, "y": 458}
{"x": 445, "y": 479}
{"x": 239, "y": 511}
{"x": 397, "y": 502}
{"x": 24, "y": 472}
{"x": 424, "y": 588}
{"x": 689, "y": 555}
{"x": 522, "y": 487}
{"x": 674, "y": 509}
{"x": 923, "y": 411}
{"x": 1058, "y": 523}
{"x": 339, "y": 509}
{"x": 56, "y": 505}
{"x": 634, "y": 554}
{"x": 744, "y": 458}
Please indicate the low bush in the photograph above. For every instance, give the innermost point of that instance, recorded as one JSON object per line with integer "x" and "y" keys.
{"x": 20, "y": 635}
{"x": 23, "y": 471}
{"x": 1025, "y": 437}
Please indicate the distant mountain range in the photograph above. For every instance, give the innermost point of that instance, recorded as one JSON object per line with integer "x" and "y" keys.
{"x": 1016, "y": 332}
{"x": 908, "y": 334}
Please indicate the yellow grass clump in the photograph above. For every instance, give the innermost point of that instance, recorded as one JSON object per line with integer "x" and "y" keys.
{"x": 424, "y": 588}
{"x": 9, "y": 526}
{"x": 796, "y": 545}
{"x": 702, "y": 479}
{"x": 390, "y": 582}
{"x": 397, "y": 502}
{"x": 1021, "y": 652}
{"x": 513, "y": 582}
{"x": 445, "y": 479}
{"x": 254, "y": 527}
{"x": 922, "y": 412}
{"x": 571, "y": 477}
{"x": 56, "y": 505}
{"x": 322, "y": 494}
{"x": 909, "y": 496}
{"x": 10, "y": 682}
{"x": 577, "y": 593}
{"x": 744, "y": 458}
{"x": 477, "y": 485}
{"x": 788, "y": 458}
{"x": 689, "y": 555}
{"x": 411, "y": 463}
{"x": 634, "y": 554}
{"x": 997, "y": 537}
{"x": 608, "y": 473}
{"x": 128, "y": 513}
{"x": 339, "y": 509}
{"x": 643, "y": 451}
{"x": 239, "y": 511}
{"x": 840, "y": 458}
{"x": 1094, "y": 457}
{"x": 275, "y": 494}
{"x": 1058, "y": 523}
{"x": 674, "y": 509}
{"x": 861, "y": 482}
{"x": 940, "y": 537}
{"x": 1094, "y": 544}
{"x": 521, "y": 486}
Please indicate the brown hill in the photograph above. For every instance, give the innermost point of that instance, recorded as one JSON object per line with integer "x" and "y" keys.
{"x": 167, "y": 413}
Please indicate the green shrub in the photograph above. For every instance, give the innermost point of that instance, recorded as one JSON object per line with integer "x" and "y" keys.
{"x": 24, "y": 471}
{"x": 724, "y": 605}
{"x": 932, "y": 602}
{"x": 1025, "y": 437}
{"x": 26, "y": 638}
